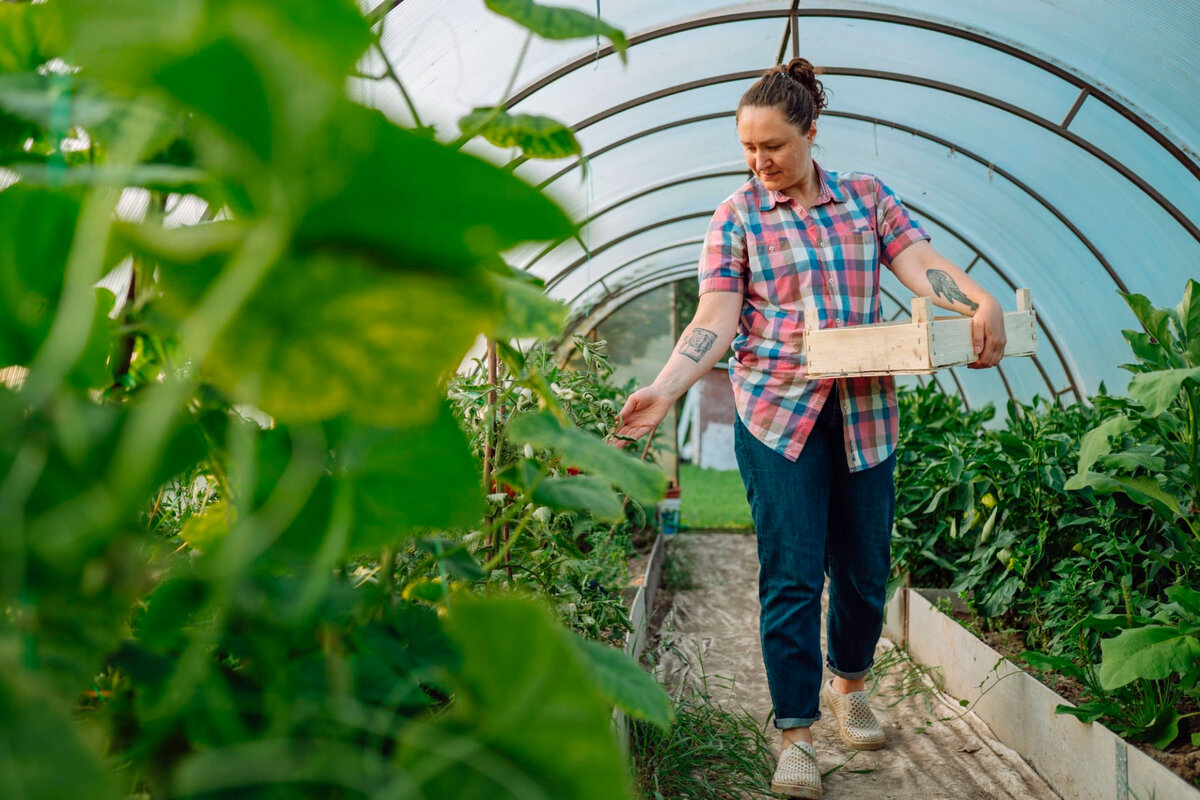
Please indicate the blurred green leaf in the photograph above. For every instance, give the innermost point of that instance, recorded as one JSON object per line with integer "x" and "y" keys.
{"x": 519, "y": 673}
{"x": 624, "y": 683}
{"x": 329, "y": 335}
{"x": 580, "y": 493}
{"x": 644, "y": 483}
{"x": 418, "y": 204}
{"x": 37, "y": 226}
{"x": 528, "y": 311}
{"x": 422, "y": 476}
{"x": 33, "y": 724}
{"x": 29, "y": 36}
{"x": 202, "y": 530}
{"x": 538, "y": 137}
{"x": 556, "y": 22}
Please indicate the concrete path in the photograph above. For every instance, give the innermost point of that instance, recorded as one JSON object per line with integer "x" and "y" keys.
{"x": 935, "y": 751}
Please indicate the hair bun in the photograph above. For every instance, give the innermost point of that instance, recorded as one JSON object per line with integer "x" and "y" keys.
{"x": 802, "y": 71}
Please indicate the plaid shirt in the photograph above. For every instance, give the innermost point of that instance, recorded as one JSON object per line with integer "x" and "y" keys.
{"x": 782, "y": 257}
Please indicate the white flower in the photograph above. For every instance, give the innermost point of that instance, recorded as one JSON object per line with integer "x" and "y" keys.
{"x": 542, "y": 515}
{"x": 528, "y": 450}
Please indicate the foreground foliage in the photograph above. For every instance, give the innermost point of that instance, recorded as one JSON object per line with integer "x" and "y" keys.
{"x": 243, "y": 525}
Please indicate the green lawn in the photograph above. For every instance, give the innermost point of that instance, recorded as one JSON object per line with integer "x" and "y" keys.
{"x": 713, "y": 499}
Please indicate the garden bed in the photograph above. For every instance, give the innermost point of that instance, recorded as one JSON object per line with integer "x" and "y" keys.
{"x": 1182, "y": 758}
{"x": 644, "y": 574}
{"x": 1079, "y": 760}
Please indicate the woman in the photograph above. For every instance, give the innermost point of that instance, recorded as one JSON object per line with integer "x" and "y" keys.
{"x": 817, "y": 457}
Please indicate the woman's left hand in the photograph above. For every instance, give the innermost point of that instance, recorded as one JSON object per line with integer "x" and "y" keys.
{"x": 987, "y": 334}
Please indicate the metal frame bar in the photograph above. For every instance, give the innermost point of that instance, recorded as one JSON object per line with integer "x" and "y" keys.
{"x": 895, "y": 19}
{"x": 1036, "y": 196}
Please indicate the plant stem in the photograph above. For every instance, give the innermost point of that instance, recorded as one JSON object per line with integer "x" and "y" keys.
{"x": 474, "y": 130}
{"x": 390, "y": 72}
{"x": 496, "y": 560}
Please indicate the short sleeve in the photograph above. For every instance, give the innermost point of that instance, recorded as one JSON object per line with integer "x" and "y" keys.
{"x": 895, "y": 226}
{"x": 723, "y": 259}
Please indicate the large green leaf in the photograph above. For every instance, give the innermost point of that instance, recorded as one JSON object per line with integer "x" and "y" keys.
{"x": 132, "y": 40}
{"x": 34, "y": 725}
{"x": 330, "y": 335}
{"x": 422, "y": 476}
{"x": 538, "y": 137}
{"x": 1189, "y": 319}
{"x": 1187, "y": 598}
{"x": 29, "y": 36}
{"x": 528, "y": 311}
{"x": 644, "y": 483}
{"x": 580, "y": 493}
{"x": 1156, "y": 321}
{"x": 420, "y": 204}
{"x": 1158, "y": 390}
{"x": 1096, "y": 443}
{"x": 527, "y": 723}
{"x": 37, "y": 226}
{"x": 1143, "y": 489}
{"x": 1153, "y": 652}
{"x": 556, "y": 22}
{"x": 624, "y": 683}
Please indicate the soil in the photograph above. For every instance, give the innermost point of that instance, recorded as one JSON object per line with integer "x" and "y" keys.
{"x": 1182, "y": 757}
{"x": 935, "y": 750}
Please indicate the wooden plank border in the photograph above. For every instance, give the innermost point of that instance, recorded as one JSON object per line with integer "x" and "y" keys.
{"x": 1078, "y": 760}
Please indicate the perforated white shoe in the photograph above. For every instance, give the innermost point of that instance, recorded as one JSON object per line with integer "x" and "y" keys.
{"x": 856, "y": 722}
{"x": 797, "y": 774}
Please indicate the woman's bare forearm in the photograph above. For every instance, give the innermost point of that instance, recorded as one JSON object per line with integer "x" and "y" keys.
{"x": 927, "y": 273}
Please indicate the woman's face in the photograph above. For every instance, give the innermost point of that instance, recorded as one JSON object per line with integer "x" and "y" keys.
{"x": 775, "y": 149}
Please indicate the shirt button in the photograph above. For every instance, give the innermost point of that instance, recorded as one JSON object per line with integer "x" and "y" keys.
{"x": 832, "y": 281}
{"x": 770, "y": 247}
{"x": 837, "y": 322}
{"x": 821, "y": 242}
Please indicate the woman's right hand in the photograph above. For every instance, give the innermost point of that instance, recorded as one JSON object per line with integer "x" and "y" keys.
{"x": 644, "y": 409}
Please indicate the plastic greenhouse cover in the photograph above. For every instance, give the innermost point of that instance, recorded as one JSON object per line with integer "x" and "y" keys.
{"x": 457, "y": 55}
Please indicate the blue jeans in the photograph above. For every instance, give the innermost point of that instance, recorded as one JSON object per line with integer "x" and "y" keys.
{"x": 813, "y": 518}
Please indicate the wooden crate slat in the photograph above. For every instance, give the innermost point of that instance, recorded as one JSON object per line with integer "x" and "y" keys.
{"x": 918, "y": 347}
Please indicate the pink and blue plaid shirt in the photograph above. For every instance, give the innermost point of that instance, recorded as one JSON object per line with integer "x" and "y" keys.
{"x": 783, "y": 257}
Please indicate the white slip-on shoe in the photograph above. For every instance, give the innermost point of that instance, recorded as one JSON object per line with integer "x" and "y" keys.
{"x": 856, "y": 722}
{"x": 797, "y": 774}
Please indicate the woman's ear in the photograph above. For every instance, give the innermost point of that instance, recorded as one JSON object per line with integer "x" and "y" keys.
{"x": 812, "y": 132}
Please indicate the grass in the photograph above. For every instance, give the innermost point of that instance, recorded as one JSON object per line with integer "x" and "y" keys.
{"x": 713, "y": 499}
{"x": 708, "y": 754}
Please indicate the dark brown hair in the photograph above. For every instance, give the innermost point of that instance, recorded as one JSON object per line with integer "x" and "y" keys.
{"x": 793, "y": 89}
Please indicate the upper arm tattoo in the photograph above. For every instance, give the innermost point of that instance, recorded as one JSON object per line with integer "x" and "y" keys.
{"x": 944, "y": 286}
{"x": 697, "y": 343}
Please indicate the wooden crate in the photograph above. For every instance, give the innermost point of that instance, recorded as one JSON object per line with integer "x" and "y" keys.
{"x": 917, "y": 347}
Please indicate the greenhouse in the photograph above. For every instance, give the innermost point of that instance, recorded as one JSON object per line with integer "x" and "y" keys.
{"x": 599, "y": 399}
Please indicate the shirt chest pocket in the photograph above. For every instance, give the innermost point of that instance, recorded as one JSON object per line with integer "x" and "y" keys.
{"x": 856, "y": 260}
{"x": 782, "y": 272}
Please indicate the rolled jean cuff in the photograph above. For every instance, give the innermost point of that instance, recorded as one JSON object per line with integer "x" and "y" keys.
{"x": 796, "y": 722}
{"x": 849, "y": 676}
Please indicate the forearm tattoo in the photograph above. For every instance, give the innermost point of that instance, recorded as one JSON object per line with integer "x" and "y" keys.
{"x": 944, "y": 286}
{"x": 697, "y": 343}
